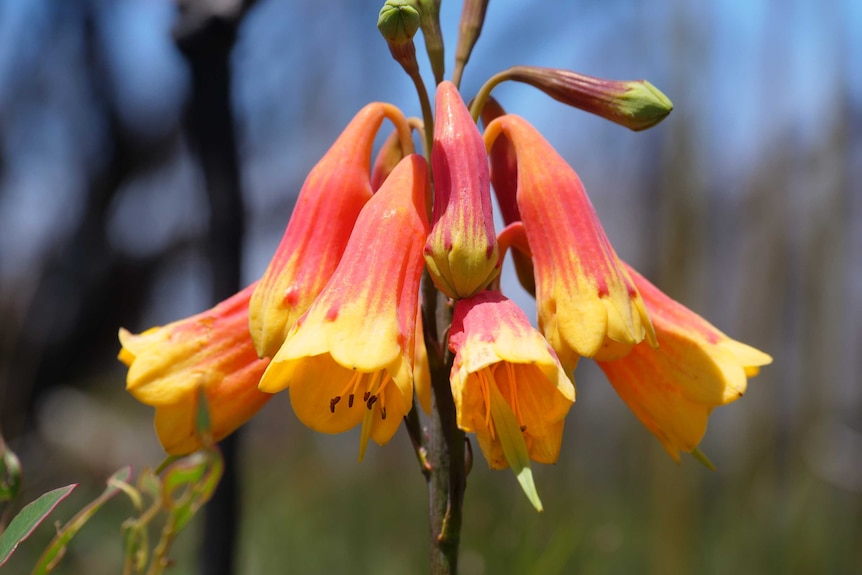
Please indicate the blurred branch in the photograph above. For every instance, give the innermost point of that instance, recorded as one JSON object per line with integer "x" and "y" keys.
{"x": 205, "y": 34}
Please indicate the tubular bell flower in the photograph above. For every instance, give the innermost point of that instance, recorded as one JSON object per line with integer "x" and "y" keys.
{"x": 349, "y": 359}
{"x": 502, "y": 364}
{"x": 673, "y": 389}
{"x": 461, "y": 252}
{"x": 587, "y": 303}
{"x": 212, "y": 350}
{"x": 504, "y": 180}
{"x": 334, "y": 192}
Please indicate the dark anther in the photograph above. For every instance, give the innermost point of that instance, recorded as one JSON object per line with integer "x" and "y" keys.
{"x": 333, "y": 402}
{"x": 371, "y": 401}
{"x": 383, "y": 413}
{"x": 523, "y": 428}
{"x": 365, "y": 397}
{"x": 350, "y": 400}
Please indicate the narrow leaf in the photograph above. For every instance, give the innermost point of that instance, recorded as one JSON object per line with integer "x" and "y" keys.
{"x": 513, "y": 444}
{"x": 57, "y": 548}
{"x": 29, "y": 518}
{"x": 189, "y": 483}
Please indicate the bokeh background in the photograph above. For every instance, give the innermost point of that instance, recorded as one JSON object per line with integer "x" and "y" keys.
{"x": 745, "y": 204}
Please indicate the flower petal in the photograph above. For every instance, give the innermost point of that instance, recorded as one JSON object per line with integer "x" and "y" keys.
{"x": 673, "y": 389}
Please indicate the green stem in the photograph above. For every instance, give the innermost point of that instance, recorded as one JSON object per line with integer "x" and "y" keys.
{"x": 484, "y": 92}
{"x": 427, "y": 116}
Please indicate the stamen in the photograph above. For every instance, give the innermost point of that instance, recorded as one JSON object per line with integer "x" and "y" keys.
{"x": 513, "y": 394}
{"x": 371, "y": 401}
{"x": 523, "y": 428}
{"x": 384, "y": 381}
{"x": 352, "y": 384}
{"x": 483, "y": 374}
{"x": 333, "y": 402}
{"x": 365, "y": 397}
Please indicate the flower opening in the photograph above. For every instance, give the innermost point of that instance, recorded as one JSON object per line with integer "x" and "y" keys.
{"x": 212, "y": 350}
{"x": 673, "y": 389}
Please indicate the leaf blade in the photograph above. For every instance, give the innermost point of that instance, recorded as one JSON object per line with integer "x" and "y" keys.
{"x": 57, "y": 548}
{"x": 30, "y": 517}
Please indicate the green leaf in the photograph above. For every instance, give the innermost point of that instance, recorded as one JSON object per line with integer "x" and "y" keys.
{"x": 10, "y": 473}
{"x": 57, "y": 548}
{"x": 513, "y": 444}
{"x": 189, "y": 483}
{"x": 29, "y": 518}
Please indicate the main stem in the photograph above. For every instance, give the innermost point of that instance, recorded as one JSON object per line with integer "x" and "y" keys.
{"x": 445, "y": 442}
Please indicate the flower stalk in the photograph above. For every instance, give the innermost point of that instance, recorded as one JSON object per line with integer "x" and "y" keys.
{"x": 447, "y": 475}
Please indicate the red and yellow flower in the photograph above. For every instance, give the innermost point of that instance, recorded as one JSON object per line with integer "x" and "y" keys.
{"x": 503, "y": 364}
{"x": 337, "y": 309}
{"x": 212, "y": 351}
{"x": 673, "y": 389}
{"x": 331, "y": 198}
{"x": 587, "y": 303}
{"x": 349, "y": 359}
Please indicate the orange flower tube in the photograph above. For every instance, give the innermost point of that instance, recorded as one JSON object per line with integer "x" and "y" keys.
{"x": 673, "y": 389}
{"x": 334, "y": 192}
{"x": 212, "y": 350}
{"x": 504, "y": 180}
{"x": 587, "y": 303}
{"x": 349, "y": 359}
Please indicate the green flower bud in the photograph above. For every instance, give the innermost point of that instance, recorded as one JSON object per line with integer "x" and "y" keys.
{"x": 398, "y": 21}
{"x": 637, "y": 104}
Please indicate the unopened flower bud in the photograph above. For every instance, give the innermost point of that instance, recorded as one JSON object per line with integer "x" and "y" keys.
{"x": 469, "y": 29}
{"x": 430, "y": 23}
{"x": 636, "y": 104}
{"x": 461, "y": 252}
{"x": 398, "y": 21}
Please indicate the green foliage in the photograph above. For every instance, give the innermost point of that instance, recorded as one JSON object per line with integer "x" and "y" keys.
{"x": 57, "y": 548}
{"x": 174, "y": 493}
{"x": 29, "y": 518}
{"x": 181, "y": 488}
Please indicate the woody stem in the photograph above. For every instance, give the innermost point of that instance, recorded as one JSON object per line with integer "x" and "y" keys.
{"x": 445, "y": 445}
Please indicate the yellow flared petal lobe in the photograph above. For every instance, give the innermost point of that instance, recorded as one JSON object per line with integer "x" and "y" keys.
{"x": 212, "y": 351}
{"x": 673, "y": 389}
{"x": 497, "y": 349}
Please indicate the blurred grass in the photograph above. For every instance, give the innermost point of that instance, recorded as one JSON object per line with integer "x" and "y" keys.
{"x": 614, "y": 504}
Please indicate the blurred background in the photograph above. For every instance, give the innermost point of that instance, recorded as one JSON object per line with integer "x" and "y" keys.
{"x": 119, "y": 206}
